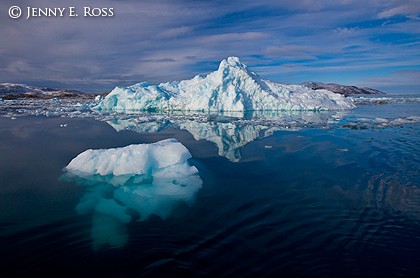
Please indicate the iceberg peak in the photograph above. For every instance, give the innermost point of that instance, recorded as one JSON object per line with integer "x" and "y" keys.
{"x": 234, "y": 68}
{"x": 233, "y": 87}
{"x": 231, "y": 62}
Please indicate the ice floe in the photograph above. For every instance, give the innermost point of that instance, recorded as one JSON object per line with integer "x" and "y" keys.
{"x": 384, "y": 100}
{"x": 133, "y": 182}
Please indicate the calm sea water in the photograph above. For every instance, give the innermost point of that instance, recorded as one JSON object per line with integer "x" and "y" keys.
{"x": 335, "y": 201}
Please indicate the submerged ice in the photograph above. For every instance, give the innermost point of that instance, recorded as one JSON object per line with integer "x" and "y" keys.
{"x": 233, "y": 87}
{"x": 133, "y": 182}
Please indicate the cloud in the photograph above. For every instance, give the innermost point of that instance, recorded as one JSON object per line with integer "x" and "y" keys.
{"x": 175, "y": 32}
{"x": 398, "y": 78}
{"x": 287, "y": 52}
{"x": 223, "y": 38}
{"x": 345, "y": 31}
{"x": 408, "y": 8}
{"x": 19, "y": 67}
{"x": 161, "y": 41}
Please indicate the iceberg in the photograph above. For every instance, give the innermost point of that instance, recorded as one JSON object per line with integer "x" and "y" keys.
{"x": 132, "y": 182}
{"x": 233, "y": 87}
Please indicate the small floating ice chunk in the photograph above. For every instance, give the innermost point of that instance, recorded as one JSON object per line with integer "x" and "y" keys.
{"x": 364, "y": 123}
{"x": 381, "y": 121}
{"x": 408, "y": 120}
{"x": 384, "y": 100}
{"x": 414, "y": 118}
{"x": 98, "y": 98}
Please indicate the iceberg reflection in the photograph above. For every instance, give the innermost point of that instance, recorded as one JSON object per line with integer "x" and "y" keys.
{"x": 133, "y": 182}
{"x": 228, "y": 137}
{"x": 229, "y": 131}
{"x": 139, "y": 124}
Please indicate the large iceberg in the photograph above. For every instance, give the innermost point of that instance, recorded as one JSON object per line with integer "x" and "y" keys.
{"x": 233, "y": 87}
{"x": 136, "y": 181}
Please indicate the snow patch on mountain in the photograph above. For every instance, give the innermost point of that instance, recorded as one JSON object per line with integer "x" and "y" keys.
{"x": 11, "y": 91}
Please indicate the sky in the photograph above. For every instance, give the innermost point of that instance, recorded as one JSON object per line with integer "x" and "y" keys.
{"x": 368, "y": 43}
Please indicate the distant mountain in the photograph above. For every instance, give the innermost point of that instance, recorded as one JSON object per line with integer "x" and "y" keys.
{"x": 22, "y": 91}
{"x": 342, "y": 89}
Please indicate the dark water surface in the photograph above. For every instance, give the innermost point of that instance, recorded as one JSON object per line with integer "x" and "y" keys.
{"x": 339, "y": 202}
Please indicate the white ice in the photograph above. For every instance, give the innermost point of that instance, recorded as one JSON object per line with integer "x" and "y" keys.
{"x": 384, "y": 100}
{"x": 233, "y": 87}
{"x": 133, "y": 182}
{"x": 131, "y": 160}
